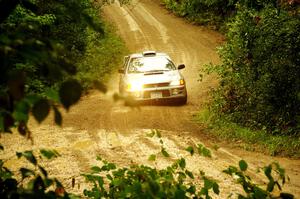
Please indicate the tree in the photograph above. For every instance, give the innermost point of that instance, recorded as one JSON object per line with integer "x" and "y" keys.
{"x": 260, "y": 68}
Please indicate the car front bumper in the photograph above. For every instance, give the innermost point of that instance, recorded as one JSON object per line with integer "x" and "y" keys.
{"x": 158, "y": 93}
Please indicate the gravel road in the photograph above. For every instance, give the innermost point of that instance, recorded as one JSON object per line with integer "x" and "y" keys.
{"x": 99, "y": 126}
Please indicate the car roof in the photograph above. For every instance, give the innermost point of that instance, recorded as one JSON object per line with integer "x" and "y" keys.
{"x": 149, "y": 54}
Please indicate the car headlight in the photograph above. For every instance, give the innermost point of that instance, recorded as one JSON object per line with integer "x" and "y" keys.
{"x": 135, "y": 86}
{"x": 177, "y": 82}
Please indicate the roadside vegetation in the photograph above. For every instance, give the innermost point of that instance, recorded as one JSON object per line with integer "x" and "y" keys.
{"x": 260, "y": 69}
{"x": 108, "y": 180}
{"x": 222, "y": 128}
{"x": 52, "y": 51}
{"x": 213, "y": 13}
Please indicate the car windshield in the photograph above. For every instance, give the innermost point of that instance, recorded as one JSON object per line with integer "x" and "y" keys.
{"x": 148, "y": 64}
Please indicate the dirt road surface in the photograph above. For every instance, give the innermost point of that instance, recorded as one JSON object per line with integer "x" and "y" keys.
{"x": 99, "y": 126}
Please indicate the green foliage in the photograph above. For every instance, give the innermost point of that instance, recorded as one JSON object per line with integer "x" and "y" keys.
{"x": 276, "y": 179}
{"x": 50, "y": 52}
{"x": 49, "y": 154}
{"x": 35, "y": 183}
{"x": 190, "y": 149}
{"x": 102, "y": 56}
{"x": 260, "y": 72}
{"x": 107, "y": 180}
{"x": 140, "y": 181}
{"x": 35, "y": 55}
{"x": 221, "y": 127}
{"x": 205, "y": 12}
{"x": 260, "y": 69}
{"x": 202, "y": 150}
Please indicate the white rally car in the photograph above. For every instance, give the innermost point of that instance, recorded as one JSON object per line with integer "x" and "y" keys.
{"x": 152, "y": 76}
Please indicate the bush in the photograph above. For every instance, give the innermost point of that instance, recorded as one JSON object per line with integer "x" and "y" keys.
{"x": 260, "y": 70}
{"x": 204, "y": 12}
{"x": 102, "y": 57}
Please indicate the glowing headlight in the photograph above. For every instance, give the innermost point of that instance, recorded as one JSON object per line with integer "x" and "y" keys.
{"x": 134, "y": 86}
{"x": 177, "y": 82}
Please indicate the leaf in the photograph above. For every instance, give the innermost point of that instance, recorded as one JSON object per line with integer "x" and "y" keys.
{"x": 100, "y": 86}
{"x": 164, "y": 152}
{"x": 18, "y": 154}
{"x": 199, "y": 147}
{"x": 179, "y": 193}
{"x": 48, "y": 182}
{"x": 111, "y": 166}
{"x": 70, "y": 93}
{"x": 189, "y": 173}
{"x": 243, "y": 165}
{"x": 267, "y": 171}
{"x": 40, "y": 110}
{"x": 150, "y": 134}
{"x": 191, "y": 189}
{"x": 21, "y": 111}
{"x": 108, "y": 167}
{"x": 109, "y": 177}
{"x": 202, "y": 150}
{"x": 230, "y": 170}
{"x": 57, "y": 116}
{"x": 98, "y": 158}
{"x": 208, "y": 184}
{"x": 270, "y": 186}
{"x": 99, "y": 180}
{"x": 152, "y": 157}
{"x": 181, "y": 175}
{"x": 216, "y": 188}
{"x": 158, "y": 133}
{"x": 278, "y": 185}
{"x": 49, "y": 154}
{"x": 204, "y": 191}
{"x": 96, "y": 169}
{"x": 206, "y": 152}
{"x": 52, "y": 94}
{"x": 286, "y": 196}
{"x": 190, "y": 149}
{"x": 259, "y": 193}
{"x": 44, "y": 172}
{"x": 28, "y": 155}
{"x": 181, "y": 163}
{"x": 26, "y": 172}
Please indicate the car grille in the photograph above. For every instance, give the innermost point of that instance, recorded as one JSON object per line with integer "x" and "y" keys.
{"x": 156, "y": 85}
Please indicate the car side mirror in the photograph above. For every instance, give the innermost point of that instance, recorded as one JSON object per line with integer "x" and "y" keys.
{"x": 121, "y": 70}
{"x": 180, "y": 66}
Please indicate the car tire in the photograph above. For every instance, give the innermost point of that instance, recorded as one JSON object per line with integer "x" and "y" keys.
{"x": 182, "y": 101}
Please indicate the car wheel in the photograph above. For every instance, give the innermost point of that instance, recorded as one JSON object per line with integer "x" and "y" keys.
{"x": 182, "y": 101}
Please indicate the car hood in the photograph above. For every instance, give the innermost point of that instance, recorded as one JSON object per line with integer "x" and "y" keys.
{"x": 153, "y": 77}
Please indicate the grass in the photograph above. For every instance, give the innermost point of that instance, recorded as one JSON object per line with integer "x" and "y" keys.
{"x": 249, "y": 139}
